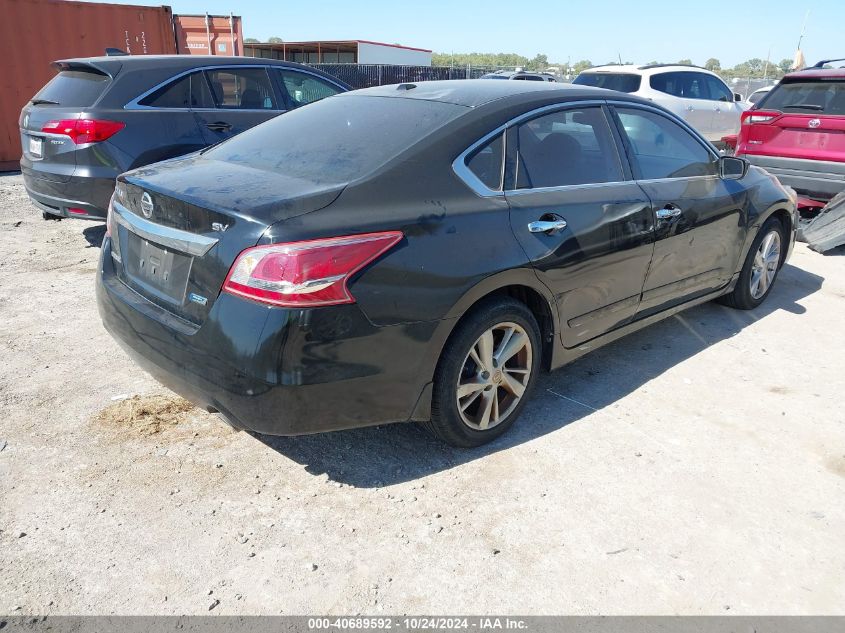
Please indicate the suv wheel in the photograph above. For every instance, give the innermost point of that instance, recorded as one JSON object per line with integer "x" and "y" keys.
{"x": 485, "y": 374}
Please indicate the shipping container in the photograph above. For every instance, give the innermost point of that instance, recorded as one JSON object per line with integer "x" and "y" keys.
{"x": 34, "y": 33}
{"x": 208, "y": 34}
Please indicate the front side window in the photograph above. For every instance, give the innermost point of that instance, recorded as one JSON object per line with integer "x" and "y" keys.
{"x": 486, "y": 163}
{"x": 570, "y": 147}
{"x": 304, "y": 89}
{"x": 242, "y": 89}
{"x": 661, "y": 148}
{"x": 190, "y": 91}
{"x": 718, "y": 91}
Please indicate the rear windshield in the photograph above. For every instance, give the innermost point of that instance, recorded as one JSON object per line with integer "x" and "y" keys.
{"x": 808, "y": 97}
{"x": 74, "y": 88}
{"x": 337, "y": 139}
{"x": 623, "y": 82}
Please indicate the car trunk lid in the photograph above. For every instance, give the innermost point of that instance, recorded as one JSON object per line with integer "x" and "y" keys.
{"x": 177, "y": 227}
{"x": 77, "y": 87}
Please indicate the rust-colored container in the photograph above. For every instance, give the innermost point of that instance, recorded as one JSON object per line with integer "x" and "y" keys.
{"x": 34, "y": 33}
{"x": 208, "y": 34}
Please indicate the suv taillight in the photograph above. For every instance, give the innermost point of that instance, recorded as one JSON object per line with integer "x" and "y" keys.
{"x": 306, "y": 274}
{"x": 759, "y": 116}
{"x": 84, "y": 130}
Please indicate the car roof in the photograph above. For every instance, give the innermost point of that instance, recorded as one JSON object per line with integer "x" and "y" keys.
{"x": 816, "y": 73}
{"x": 142, "y": 62}
{"x": 645, "y": 69}
{"x": 476, "y": 92}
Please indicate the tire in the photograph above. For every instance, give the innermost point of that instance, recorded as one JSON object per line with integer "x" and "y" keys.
{"x": 748, "y": 293}
{"x": 493, "y": 396}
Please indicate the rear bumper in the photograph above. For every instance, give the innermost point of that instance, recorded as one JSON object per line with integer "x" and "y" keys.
{"x": 814, "y": 178}
{"x": 274, "y": 370}
{"x": 87, "y": 193}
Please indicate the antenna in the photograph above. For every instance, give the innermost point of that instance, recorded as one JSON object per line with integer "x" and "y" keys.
{"x": 620, "y": 57}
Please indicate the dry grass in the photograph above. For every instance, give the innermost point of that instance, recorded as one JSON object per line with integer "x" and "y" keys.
{"x": 146, "y": 415}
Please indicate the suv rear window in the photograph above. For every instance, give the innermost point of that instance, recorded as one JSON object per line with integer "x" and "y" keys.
{"x": 75, "y": 88}
{"x": 338, "y": 139}
{"x": 623, "y": 82}
{"x": 808, "y": 97}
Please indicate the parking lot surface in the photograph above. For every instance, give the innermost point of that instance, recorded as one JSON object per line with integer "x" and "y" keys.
{"x": 696, "y": 467}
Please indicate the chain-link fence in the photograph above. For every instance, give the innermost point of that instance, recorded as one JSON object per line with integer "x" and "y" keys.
{"x": 367, "y": 75}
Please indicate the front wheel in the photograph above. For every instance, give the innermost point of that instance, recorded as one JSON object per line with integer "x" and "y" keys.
{"x": 485, "y": 373}
{"x": 761, "y": 268}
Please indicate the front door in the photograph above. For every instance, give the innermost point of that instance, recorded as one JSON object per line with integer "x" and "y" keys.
{"x": 696, "y": 213}
{"x": 243, "y": 98}
{"x": 586, "y": 227}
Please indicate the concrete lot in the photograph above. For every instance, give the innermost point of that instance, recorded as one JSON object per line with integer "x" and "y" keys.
{"x": 697, "y": 467}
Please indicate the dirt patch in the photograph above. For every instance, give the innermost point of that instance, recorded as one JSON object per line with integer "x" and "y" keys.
{"x": 146, "y": 415}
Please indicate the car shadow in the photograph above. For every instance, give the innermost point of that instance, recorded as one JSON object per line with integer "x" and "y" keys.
{"x": 385, "y": 455}
{"x": 94, "y": 235}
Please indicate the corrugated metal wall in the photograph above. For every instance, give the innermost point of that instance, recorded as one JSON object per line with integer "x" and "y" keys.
{"x": 192, "y": 38}
{"x": 34, "y": 33}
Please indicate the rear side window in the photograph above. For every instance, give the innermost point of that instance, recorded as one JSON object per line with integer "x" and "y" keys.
{"x": 242, "y": 89}
{"x": 304, "y": 89}
{"x": 75, "y": 88}
{"x": 486, "y": 163}
{"x": 337, "y": 140}
{"x": 717, "y": 90}
{"x": 663, "y": 149}
{"x": 823, "y": 97}
{"x": 571, "y": 147}
{"x": 622, "y": 82}
{"x": 190, "y": 91}
{"x": 686, "y": 85}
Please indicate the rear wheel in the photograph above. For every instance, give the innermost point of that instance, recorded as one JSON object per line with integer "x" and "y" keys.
{"x": 761, "y": 268}
{"x": 485, "y": 373}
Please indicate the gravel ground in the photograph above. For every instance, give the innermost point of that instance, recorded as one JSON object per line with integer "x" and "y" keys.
{"x": 697, "y": 467}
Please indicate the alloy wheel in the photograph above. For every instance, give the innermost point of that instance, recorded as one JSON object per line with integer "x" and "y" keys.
{"x": 765, "y": 266}
{"x": 494, "y": 376}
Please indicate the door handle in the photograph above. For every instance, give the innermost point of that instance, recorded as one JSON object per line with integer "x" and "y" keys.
{"x": 668, "y": 212}
{"x": 219, "y": 126}
{"x": 547, "y": 226}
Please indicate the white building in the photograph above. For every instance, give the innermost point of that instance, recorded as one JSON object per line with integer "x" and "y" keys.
{"x": 342, "y": 52}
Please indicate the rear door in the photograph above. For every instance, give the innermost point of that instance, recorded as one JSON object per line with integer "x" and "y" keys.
{"x": 53, "y": 156}
{"x": 812, "y": 123}
{"x": 690, "y": 89}
{"x": 243, "y": 97}
{"x": 584, "y": 224}
{"x": 696, "y": 214}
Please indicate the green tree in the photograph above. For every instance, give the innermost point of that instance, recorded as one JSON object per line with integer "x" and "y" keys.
{"x": 685, "y": 62}
{"x": 540, "y": 62}
{"x": 581, "y": 66}
{"x": 785, "y": 65}
{"x": 275, "y": 40}
{"x": 250, "y": 40}
{"x": 713, "y": 65}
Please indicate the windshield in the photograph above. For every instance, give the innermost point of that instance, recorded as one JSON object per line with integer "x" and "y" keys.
{"x": 337, "y": 139}
{"x": 809, "y": 97}
{"x": 623, "y": 82}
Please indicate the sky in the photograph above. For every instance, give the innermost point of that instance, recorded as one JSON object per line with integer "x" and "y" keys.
{"x": 639, "y": 31}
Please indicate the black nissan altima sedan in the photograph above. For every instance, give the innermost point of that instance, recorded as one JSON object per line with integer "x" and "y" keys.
{"x": 421, "y": 252}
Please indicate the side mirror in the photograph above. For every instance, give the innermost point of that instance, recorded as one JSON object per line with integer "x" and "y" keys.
{"x": 732, "y": 168}
{"x": 737, "y": 96}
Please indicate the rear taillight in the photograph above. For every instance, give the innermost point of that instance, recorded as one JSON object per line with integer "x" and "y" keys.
{"x": 759, "y": 116}
{"x": 84, "y": 130}
{"x": 306, "y": 274}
